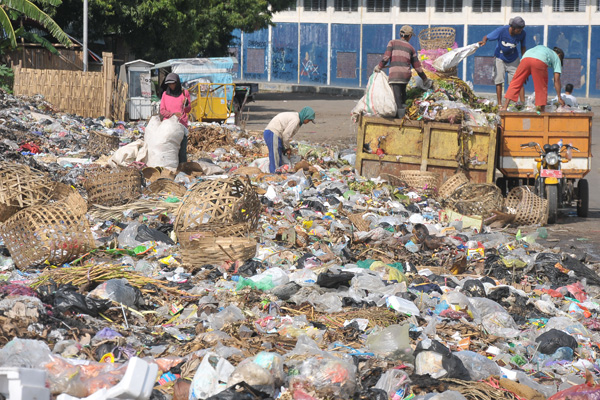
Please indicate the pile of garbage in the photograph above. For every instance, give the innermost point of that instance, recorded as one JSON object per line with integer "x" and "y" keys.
{"x": 218, "y": 281}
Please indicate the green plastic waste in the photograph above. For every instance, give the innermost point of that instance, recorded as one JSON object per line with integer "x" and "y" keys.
{"x": 264, "y": 284}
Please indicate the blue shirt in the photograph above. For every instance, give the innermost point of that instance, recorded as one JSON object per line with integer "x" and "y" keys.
{"x": 506, "y": 49}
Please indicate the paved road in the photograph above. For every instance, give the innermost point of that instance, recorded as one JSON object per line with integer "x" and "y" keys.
{"x": 335, "y": 127}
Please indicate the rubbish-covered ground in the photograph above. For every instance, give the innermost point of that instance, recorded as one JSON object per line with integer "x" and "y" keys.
{"x": 220, "y": 281}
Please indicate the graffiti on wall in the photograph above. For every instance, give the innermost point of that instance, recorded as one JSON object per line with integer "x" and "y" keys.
{"x": 284, "y": 65}
{"x": 309, "y": 68}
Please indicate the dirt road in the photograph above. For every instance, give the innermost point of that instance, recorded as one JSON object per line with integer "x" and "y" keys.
{"x": 334, "y": 127}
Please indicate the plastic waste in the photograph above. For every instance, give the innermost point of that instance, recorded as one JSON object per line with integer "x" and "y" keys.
{"x": 211, "y": 377}
{"x": 120, "y": 291}
{"x": 479, "y": 367}
{"x": 392, "y": 342}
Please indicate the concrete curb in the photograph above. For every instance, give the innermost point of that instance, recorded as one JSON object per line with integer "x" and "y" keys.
{"x": 359, "y": 92}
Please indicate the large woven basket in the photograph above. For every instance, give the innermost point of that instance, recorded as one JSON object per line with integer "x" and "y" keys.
{"x": 112, "y": 187}
{"x": 451, "y": 184}
{"x": 216, "y": 205}
{"x": 439, "y": 37}
{"x": 529, "y": 208}
{"x": 422, "y": 181}
{"x": 199, "y": 248}
{"x": 55, "y": 232}
{"x": 20, "y": 187}
{"x": 476, "y": 199}
{"x": 100, "y": 143}
{"x": 167, "y": 186}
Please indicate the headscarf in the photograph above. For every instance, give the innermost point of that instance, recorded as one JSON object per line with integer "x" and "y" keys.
{"x": 517, "y": 23}
{"x": 177, "y": 91}
{"x": 306, "y": 113}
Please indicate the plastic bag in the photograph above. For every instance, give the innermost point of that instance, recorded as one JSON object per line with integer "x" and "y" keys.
{"x": 124, "y": 156}
{"x": 378, "y": 98}
{"x": 229, "y": 315}
{"x": 479, "y": 367}
{"x": 263, "y": 372}
{"x": 392, "y": 380}
{"x": 120, "y": 291}
{"x": 436, "y": 360}
{"x": 210, "y": 377}
{"x": 163, "y": 140}
{"x": 550, "y": 341}
{"x": 451, "y": 59}
{"x": 67, "y": 298}
{"x": 393, "y": 342}
{"x": 25, "y": 353}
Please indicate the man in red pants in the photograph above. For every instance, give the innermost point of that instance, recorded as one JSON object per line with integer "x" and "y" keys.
{"x": 535, "y": 62}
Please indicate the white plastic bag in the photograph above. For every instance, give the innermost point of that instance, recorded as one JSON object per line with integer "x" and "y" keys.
{"x": 163, "y": 140}
{"x": 378, "y": 98}
{"x": 134, "y": 151}
{"x": 451, "y": 59}
{"x": 211, "y": 377}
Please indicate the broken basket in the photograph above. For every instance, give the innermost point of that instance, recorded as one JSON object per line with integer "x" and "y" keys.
{"x": 454, "y": 182}
{"x": 101, "y": 144}
{"x": 199, "y": 248}
{"x": 220, "y": 206}
{"x": 57, "y": 232}
{"x": 529, "y": 208}
{"x": 112, "y": 186}
{"x": 476, "y": 199}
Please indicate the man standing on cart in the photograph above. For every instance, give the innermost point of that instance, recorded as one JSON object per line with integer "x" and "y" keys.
{"x": 506, "y": 55}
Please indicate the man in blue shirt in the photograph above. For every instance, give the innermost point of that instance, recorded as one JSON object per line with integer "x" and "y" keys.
{"x": 506, "y": 54}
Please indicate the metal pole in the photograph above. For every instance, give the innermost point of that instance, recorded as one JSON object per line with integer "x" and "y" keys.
{"x": 85, "y": 35}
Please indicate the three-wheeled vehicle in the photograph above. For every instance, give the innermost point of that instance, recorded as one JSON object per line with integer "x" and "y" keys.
{"x": 549, "y": 151}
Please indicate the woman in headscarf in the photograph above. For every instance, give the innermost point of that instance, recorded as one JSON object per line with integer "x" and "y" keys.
{"x": 176, "y": 101}
{"x": 280, "y": 131}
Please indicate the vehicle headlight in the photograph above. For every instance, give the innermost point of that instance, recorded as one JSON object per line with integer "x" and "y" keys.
{"x": 552, "y": 158}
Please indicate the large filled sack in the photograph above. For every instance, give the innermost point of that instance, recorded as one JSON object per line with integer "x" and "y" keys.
{"x": 163, "y": 140}
{"x": 378, "y": 99}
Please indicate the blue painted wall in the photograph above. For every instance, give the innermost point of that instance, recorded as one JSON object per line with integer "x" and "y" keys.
{"x": 313, "y": 53}
{"x": 235, "y": 49}
{"x": 284, "y": 58}
{"x": 595, "y": 63}
{"x": 256, "y": 44}
{"x": 573, "y": 40}
{"x": 345, "y": 40}
{"x": 375, "y": 40}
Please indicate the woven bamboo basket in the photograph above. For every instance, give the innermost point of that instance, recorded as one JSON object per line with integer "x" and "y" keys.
{"x": 54, "y": 232}
{"x": 529, "y": 208}
{"x": 69, "y": 196}
{"x": 439, "y": 37}
{"x": 454, "y": 182}
{"x": 217, "y": 206}
{"x": 421, "y": 180}
{"x": 359, "y": 222}
{"x": 100, "y": 143}
{"x": 112, "y": 187}
{"x": 20, "y": 187}
{"x": 199, "y": 248}
{"x": 476, "y": 199}
{"x": 164, "y": 185}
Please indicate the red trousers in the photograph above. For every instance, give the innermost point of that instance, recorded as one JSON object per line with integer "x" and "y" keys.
{"x": 539, "y": 72}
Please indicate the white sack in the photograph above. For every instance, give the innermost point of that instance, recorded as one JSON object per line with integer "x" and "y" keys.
{"x": 451, "y": 59}
{"x": 163, "y": 140}
{"x": 134, "y": 151}
{"x": 378, "y": 98}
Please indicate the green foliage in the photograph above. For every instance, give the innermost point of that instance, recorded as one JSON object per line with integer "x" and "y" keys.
{"x": 157, "y": 30}
{"x": 6, "y": 78}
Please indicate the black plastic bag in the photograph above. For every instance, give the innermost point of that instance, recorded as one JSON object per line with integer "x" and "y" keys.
{"x": 473, "y": 288}
{"x": 249, "y": 268}
{"x": 451, "y": 363}
{"x": 553, "y": 339}
{"x": 332, "y": 280}
{"x": 284, "y": 292}
{"x": 371, "y": 394}
{"x": 145, "y": 234}
{"x": 581, "y": 270}
{"x": 67, "y": 298}
{"x": 494, "y": 266}
{"x": 241, "y": 391}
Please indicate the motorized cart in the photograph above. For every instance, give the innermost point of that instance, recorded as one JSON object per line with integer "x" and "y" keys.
{"x": 550, "y": 152}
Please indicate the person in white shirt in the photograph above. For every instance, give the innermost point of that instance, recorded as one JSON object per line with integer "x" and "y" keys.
{"x": 280, "y": 131}
{"x": 569, "y": 99}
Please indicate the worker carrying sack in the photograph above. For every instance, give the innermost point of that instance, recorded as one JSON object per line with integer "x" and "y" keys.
{"x": 378, "y": 99}
{"x": 163, "y": 140}
{"x": 447, "y": 61}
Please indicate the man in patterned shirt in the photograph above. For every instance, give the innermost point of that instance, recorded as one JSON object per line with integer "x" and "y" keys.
{"x": 401, "y": 56}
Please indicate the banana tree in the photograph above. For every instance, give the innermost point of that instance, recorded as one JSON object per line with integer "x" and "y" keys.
{"x": 11, "y": 10}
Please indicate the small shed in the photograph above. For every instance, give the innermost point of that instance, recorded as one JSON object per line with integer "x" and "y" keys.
{"x": 140, "y": 89}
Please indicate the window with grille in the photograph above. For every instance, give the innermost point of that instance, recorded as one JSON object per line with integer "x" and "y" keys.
{"x": 413, "y": 5}
{"x": 527, "y": 5}
{"x": 346, "y": 5}
{"x": 378, "y": 5}
{"x": 346, "y": 65}
{"x": 448, "y": 5}
{"x": 569, "y": 5}
{"x": 487, "y": 5}
{"x": 315, "y": 5}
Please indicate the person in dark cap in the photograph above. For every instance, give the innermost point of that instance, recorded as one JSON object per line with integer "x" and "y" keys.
{"x": 401, "y": 55}
{"x": 506, "y": 54}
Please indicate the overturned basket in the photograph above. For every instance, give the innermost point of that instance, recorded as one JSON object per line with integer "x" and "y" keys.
{"x": 166, "y": 186}
{"x": 451, "y": 184}
{"x": 439, "y": 37}
{"x": 528, "y": 208}
{"x": 423, "y": 181}
{"x": 101, "y": 144}
{"x": 476, "y": 199}
{"x": 112, "y": 187}
{"x": 199, "y": 248}
{"x": 219, "y": 206}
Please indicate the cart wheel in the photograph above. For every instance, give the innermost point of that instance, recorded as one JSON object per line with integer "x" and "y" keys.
{"x": 501, "y": 183}
{"x": 583, "y": 198}
{"x": 552, "y": 196}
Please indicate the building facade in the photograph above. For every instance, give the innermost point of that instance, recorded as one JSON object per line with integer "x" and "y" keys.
{"x": 338, "y": 42}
